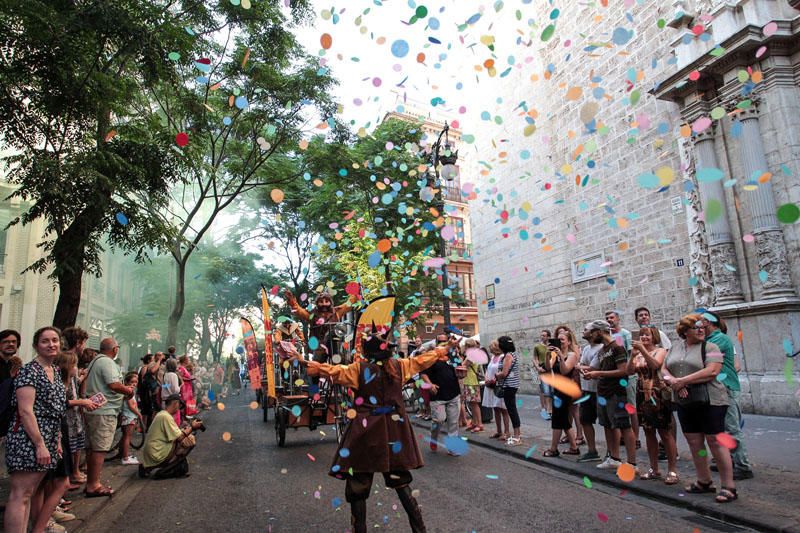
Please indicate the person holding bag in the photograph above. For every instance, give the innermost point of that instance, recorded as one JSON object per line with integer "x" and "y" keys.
{"x": 691, "y": 369}
{"x": 491, "y": 400}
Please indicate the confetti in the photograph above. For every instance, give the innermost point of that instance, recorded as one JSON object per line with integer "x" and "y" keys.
{"x": 226, "y": 436}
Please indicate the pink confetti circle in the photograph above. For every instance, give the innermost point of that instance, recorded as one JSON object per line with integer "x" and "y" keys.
{"x": 357, "y": 101}
{"x": 462, "y": 109}
{"x": 455, "y": 124}
{"x": 748, "y": 238}
{"x": 761, "y": 51}
{"x": 701, "y": 124}
{"x": 603, "y": 517}
{"x": 770, "y": 28}
{"x": 397, "y": 67}
{"x": 376, "y": 82}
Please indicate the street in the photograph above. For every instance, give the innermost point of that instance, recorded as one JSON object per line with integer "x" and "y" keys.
{"x": 249, "y": 484}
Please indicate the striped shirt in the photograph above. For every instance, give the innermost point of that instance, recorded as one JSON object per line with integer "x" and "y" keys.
{"x": 512, "y": 379}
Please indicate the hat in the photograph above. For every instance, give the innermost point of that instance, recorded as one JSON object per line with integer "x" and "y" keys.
{"x": 601, "y": 325}
{"x": 172, "y": 397}
{"x": 376, "y": 343}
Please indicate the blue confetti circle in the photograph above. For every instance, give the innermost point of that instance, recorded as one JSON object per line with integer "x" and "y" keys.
{"x": 400, "y": 48}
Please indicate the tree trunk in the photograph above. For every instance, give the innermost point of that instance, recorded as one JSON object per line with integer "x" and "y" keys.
{"x": 69, "y": 299}
{"x": 205, "y": 338}
{"x": 180, "y": 303}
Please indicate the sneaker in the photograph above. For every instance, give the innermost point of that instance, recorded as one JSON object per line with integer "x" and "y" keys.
{"x": 514, "y": 441}
{"x": 52, "y": 527}
{"x": 130, "y": 461}
{"x": 59, "y": 515}
{"x": 609, "y": 464}
{"x": 589, "y": 457}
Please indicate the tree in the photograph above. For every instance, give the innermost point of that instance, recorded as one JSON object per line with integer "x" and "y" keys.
{"x": 242, "y": 117}
{"x": 68, "y": 71}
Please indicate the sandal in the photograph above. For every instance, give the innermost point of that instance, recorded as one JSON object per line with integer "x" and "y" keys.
{"x": 496, "y": 436}
{"x": 698, "y": 487}
{"x": 726, "y": 495}
{"x": 576, "y": 451}
{"x": 476, "y": 429}
{"x": 564, "y": 440}
{"x": 581, "y": 441}
{"x": 650, "y": 474}
{"x": 672, "y": 478}
{"x": 100, "y": 493}
{"x": 514, "y": 441}
{"x": 551, "y": 453}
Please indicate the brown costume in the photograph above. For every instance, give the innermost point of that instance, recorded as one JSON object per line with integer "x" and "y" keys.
{"x": 386, "y": 443}
{"x": 318, "y": 319}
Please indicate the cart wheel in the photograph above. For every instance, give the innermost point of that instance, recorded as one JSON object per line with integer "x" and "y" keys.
{"x": 281, "y": 420}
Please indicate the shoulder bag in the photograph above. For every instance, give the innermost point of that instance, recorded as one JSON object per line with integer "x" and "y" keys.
{"x": 698, "y": 392}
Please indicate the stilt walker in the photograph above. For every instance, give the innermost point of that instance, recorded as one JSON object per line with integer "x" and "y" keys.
{"x": 380, "y": 438}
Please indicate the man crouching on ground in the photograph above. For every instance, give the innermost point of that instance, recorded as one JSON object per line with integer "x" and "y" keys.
{"x": 166, "y": 445}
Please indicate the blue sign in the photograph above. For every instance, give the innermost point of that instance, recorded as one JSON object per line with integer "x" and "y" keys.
{"x": 491, "y": 304}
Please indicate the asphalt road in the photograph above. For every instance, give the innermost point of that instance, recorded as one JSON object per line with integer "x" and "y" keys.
{"x": 249, "y": 484}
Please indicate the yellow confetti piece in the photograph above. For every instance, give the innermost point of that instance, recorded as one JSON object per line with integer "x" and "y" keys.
{"x": 254, "y": 405}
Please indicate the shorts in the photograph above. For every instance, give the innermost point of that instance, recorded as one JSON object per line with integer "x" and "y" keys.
{"x": 702, "y": 418}
{"x": 588, "y": 409}
{"x": 545, "y": 389}
{"x": 128, "y": 421}
{"x": 100, "y": 431}
{"x": 630, "y": 389}
{"x": 613, "y": 414}
{"x": 560, "y": 417}
{"x": 470, "y": 393}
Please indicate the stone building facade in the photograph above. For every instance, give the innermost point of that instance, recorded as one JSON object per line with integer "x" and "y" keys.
{"x": 644, "y": 164}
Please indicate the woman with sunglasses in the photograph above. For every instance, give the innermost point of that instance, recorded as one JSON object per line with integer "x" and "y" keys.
{"x": 691, "y": 369}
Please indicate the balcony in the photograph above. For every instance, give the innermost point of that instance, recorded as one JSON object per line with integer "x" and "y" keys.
{"x": 461, "y": 250}
{"x": 452, "y": 193}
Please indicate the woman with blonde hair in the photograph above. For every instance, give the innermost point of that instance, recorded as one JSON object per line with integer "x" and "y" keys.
{"x": 574, "y": 408}
{"x": 491, "y": 401}
{"x": 471, "y": 387}
{"x": 691, "y": 369}
{"x": 563, "y": 361}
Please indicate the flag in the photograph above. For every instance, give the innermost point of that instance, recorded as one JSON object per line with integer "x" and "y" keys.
{"x": 268, "y": 353}
{"x": 251, "y": 349}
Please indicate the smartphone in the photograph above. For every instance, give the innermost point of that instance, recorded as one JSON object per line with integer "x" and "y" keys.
{"x": 555, "y": 343}
{"x": 635, "y": 335}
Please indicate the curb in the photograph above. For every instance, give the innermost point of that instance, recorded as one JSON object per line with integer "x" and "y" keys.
{"x": 718, "y": 511}
{"x": 90, "y": 509}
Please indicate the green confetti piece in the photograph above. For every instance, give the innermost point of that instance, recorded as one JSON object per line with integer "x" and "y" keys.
{"x": 661, "y": 24}
{"x": 548, "y": 32}
{"x": 743, "y": 76}
{"x": 587, "y": 482}
{"x": 713, "y": 210}
{"x": 491, "y": 476}
{"x": 787, "y": 371}
{"x": 788, "y": 213}
{"x": 717, "y": 113}
{"x": 702, "y": 453}
{"x": 717, "y": 52}
{"x": 635, "y": 96}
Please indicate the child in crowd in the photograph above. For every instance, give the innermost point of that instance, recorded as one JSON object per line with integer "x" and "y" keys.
{"x": 130, "y": 416}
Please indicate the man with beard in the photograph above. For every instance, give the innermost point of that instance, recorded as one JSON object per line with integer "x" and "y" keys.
{"x": 380, "y": 438}
{"x": 323, "y": 314}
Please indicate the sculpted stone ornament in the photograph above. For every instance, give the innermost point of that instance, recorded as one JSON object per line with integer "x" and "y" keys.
{"x": 726, "y": 279}
{"x": 771, "y": 253}
{"x": 699, "y": 259}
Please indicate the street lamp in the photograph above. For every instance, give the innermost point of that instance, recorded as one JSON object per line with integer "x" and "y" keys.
{"x": 447, "y": 158}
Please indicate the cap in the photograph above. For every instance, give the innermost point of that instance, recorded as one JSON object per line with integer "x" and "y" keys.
{"x": 601, "y": 325}
{"x": 172, "y": 397}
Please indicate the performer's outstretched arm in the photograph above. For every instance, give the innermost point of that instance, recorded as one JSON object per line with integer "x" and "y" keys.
{"x": 418, "y": 363}
{"x": 342, "y": 310}
{"x": 346, "y": 375}
{"x": 297, "y": 309}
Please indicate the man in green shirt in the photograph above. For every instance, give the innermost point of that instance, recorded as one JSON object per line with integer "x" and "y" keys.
{"x": 103, "y": 377}
{"x": 166, "y": 445}
{"x": 716, "y": 332}
{"x": 540, "y": 353}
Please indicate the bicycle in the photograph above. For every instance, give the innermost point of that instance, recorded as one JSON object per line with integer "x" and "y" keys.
{"x": 137, "y": 439}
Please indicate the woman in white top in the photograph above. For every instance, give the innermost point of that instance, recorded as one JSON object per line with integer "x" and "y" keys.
{"x": 172, "y": 384}
{"x": 489, "y": 399}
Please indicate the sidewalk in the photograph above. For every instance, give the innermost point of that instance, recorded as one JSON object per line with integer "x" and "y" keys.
{"x": 768, "y": 502}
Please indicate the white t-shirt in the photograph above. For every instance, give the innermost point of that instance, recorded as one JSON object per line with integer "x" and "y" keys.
{"x": 589, "y": 358}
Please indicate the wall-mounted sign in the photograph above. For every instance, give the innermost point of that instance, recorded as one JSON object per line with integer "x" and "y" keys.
{"x": 490, "y": 304}
{"x": 676, "y": 202}
{"x": 490, "y": 292}
{"x": 679, "y": 262}
{"x": 588, "y": 267}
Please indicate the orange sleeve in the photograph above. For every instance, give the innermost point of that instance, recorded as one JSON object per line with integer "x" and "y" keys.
{"x": 418, "y": 363}
{"x": 299, "y": 311}
{"x": 346, "y": 375}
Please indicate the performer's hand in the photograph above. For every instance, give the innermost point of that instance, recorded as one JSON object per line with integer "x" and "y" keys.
{"x": 289, "y": 295}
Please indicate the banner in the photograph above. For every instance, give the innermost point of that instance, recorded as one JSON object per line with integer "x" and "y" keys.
{"x": 381, "y": 312}
{"x": 251, "y": 349}
{"x": 269, "y": 365}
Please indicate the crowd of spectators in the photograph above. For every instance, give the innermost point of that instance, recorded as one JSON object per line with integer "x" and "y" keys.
{"x": 628, "y": 382}
{"x": 60, "y": 414}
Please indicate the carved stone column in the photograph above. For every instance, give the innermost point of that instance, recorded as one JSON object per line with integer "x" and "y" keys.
{"x": 770, "y": 248}
{"x": 727, "y": 286}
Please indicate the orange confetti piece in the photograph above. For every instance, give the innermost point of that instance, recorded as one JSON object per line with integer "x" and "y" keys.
{"x": 420, "y": 58}
{"x": 220, "y": 406}
{"x": 686, "y": 131}
{"x": 626, "y": 472}
{"x": 226, "y": 436}
{"x": 246, "y": 57}
{"x": 326, "y": 41}
{"x": 562, "y": 384}
{"x": 740, "y": 336}
{"x": 110, "y": 135}
{"x": 384, "y": 245}
{"x": 727, "y": 441}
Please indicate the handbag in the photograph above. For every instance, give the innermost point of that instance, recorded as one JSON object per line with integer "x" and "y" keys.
{"x": 698, "y": 392}
{"x": 499, "y": 389}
